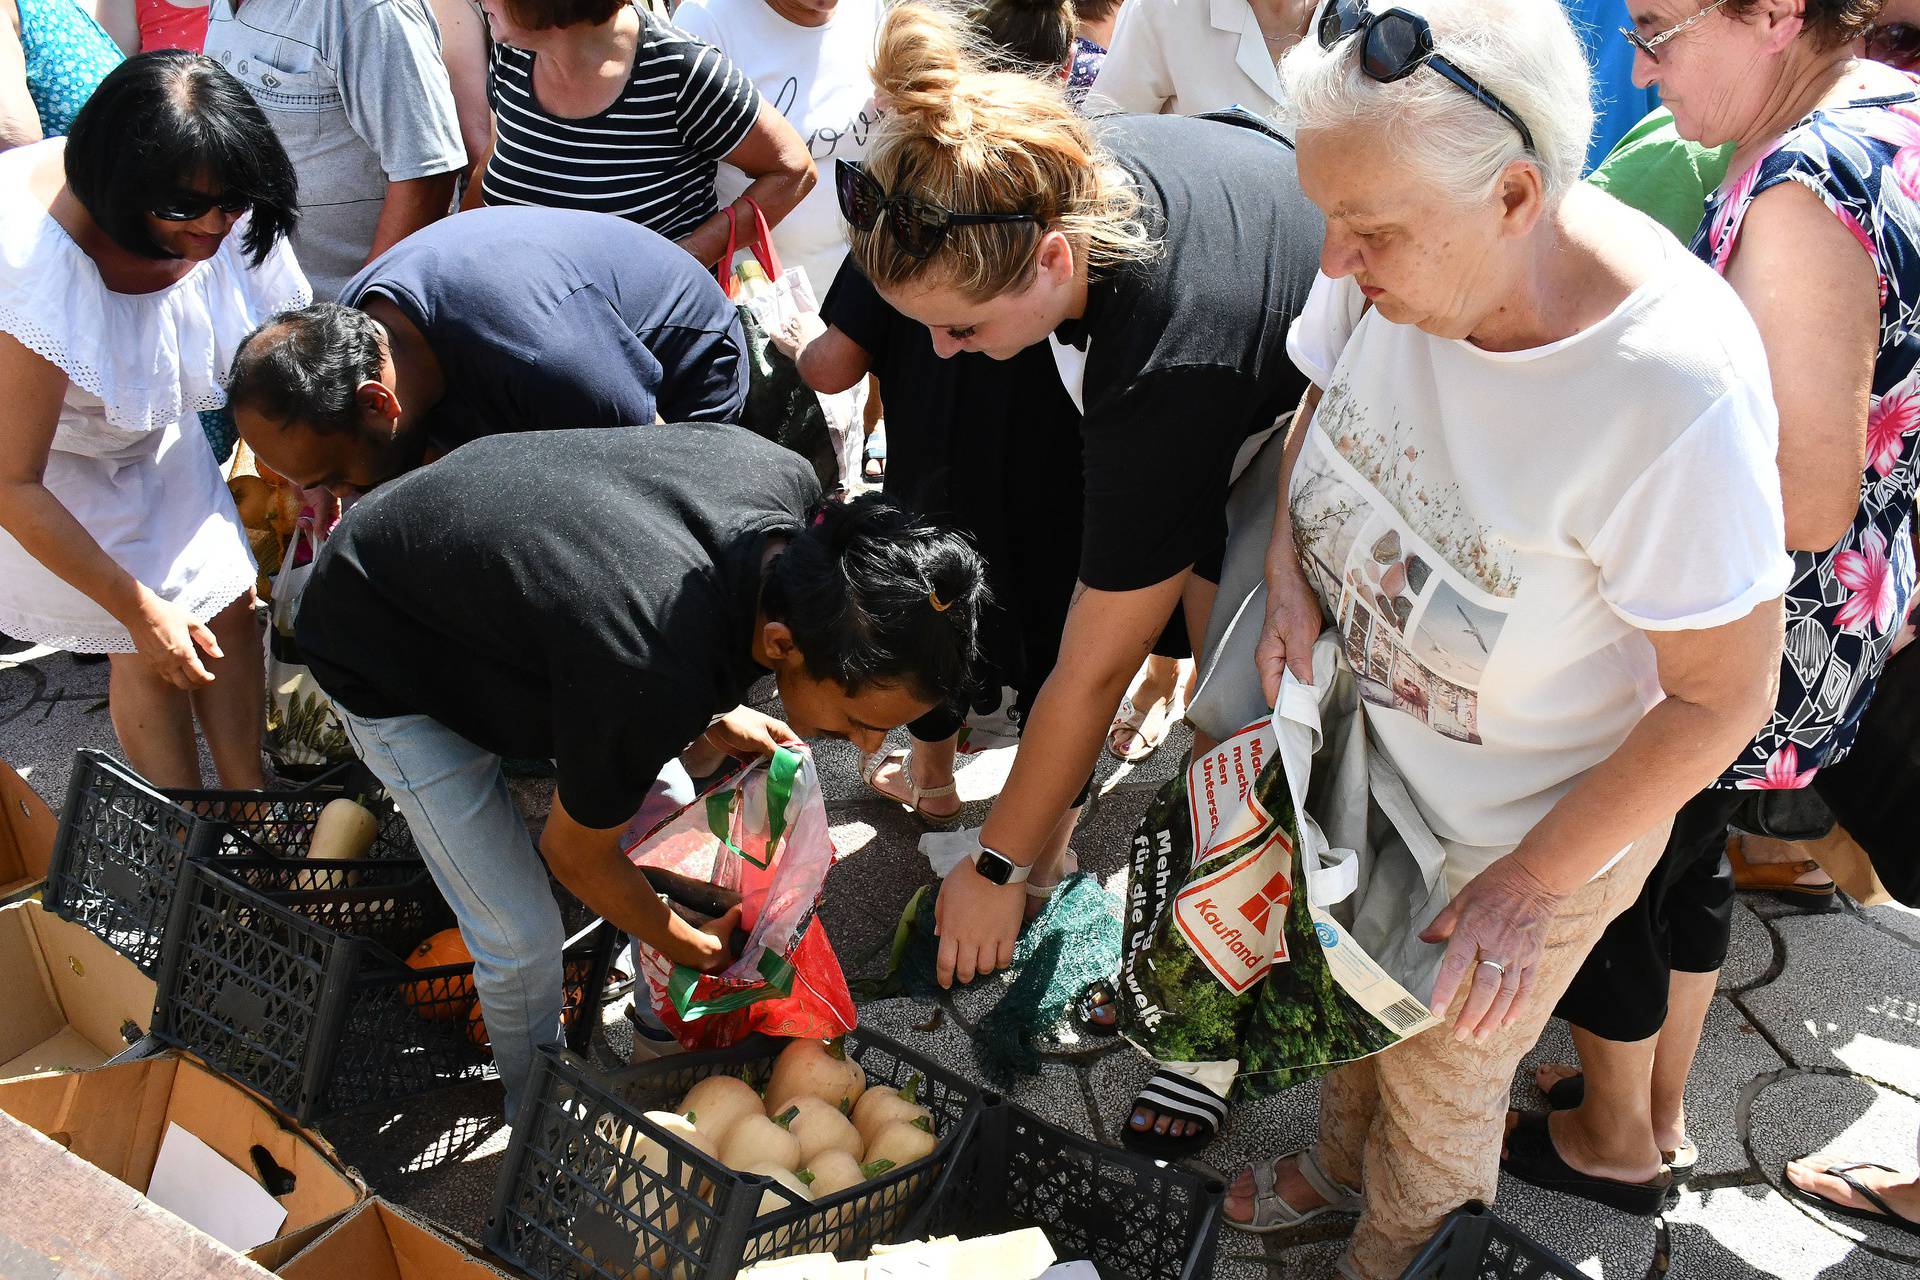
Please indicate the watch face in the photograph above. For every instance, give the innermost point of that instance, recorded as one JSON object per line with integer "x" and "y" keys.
{"x": 993, "y": 867}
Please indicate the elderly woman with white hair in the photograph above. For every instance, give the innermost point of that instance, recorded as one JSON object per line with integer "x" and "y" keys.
{"x": 1533, "y": 486}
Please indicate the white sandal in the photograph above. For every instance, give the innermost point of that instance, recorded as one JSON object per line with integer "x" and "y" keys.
{"x": 916, "y": 794}
{"x": 1272, "y": 1213}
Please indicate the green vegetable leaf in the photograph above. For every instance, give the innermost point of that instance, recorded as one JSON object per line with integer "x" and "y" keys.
{"x": 805, "y": 1176}
{"x": 875, "y": 1169}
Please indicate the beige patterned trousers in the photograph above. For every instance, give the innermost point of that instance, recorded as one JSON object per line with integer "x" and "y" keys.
{"x": 1418, "y": 1128}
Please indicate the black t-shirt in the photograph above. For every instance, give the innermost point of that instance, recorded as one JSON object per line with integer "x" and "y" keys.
{"x": 546, "y": 318}
{"x": 1186, "y": 352}
{"x": 584, "y": 596}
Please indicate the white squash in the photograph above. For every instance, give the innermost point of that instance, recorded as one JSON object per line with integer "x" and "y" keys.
{"x": 820, "y": 1126}
{"x": 815, "y": 1069}
{"x": 770, "y": 1199}
{"x": 653, "y": 1203}
{"x": 901, "y": 1142}
{"x": 834, "y": 1171}
{"x": 344, "y": 832}
{"x": 882, "y": 1107}
{"x": 717, "y": 1104}
{"x": 756, "y": 1140}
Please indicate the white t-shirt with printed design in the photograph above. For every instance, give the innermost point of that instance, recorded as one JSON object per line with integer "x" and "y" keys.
{"x": 1493, "y": 532}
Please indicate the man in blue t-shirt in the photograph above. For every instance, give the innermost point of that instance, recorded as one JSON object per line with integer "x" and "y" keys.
{"x": 1618, "y": 103}
{"x": 496, "y": 320}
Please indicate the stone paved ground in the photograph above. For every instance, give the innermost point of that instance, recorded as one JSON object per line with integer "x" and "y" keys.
{"x": 1814, "y": 1042}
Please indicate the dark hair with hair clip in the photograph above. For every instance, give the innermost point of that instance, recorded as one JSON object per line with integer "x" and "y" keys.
{"x": 875, "y": 595}
{"x": 165, "y": 120}
{"x": 305, "y": 367}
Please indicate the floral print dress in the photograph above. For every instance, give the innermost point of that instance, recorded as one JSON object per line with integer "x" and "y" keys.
{"x": 1845, "y": 606}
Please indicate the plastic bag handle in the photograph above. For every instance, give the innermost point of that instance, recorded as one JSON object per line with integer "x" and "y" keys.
{"x": 763, "y": 250}
{"x": 1297, "y": 729}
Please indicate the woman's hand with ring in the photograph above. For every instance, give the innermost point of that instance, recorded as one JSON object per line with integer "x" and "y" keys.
{"x": 1496, "y": 931}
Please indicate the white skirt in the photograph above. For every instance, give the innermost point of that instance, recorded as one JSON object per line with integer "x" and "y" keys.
{"x": 162, "y": 511}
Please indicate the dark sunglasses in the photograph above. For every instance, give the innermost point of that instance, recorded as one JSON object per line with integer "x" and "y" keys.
{"x": 919, "y": 225}
{"x": 1395, "y": 44}
{"x": 190, "y": 206}
{"x": 1897, "y": 44}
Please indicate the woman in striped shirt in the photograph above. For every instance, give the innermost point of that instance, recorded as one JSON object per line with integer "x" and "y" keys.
{"x": 600, "y": 105}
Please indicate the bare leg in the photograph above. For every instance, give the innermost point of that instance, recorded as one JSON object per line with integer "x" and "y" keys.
{"x": 232, "y": 709}
{"x": 1901, "y": 1191}
{"x": 1056, "y": 861}
{"x": 1610, "y": 1134}
{"x": 1689, "y": 995}
{"x": 154, "y": 722}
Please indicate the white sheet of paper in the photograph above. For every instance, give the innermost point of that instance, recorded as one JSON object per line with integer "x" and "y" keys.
{"x": 199, "y": 1184}
{"x": 1079, "y": 1270}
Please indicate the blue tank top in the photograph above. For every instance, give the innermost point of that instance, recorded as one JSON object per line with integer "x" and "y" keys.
{"x": 68, "y": 54}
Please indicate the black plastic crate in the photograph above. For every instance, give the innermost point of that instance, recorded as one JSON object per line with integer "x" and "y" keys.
{"x": 117, "y": 856}
{"x": 290, "y": 975}
{"x": 1476, "y": 1244}
{"x": 574, "y": 1201}
{"x": 1134, "y": 1218}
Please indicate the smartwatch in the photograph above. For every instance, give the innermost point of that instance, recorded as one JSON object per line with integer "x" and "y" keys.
{"x": 998, "y": 868}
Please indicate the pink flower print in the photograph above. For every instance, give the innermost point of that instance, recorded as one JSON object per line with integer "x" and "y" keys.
{"x": 1901, "y": 127}
{"x": 1783, "y": 773}
{"x": 1869, "y": 576}
{"x": 1852, "y": 224}
{"x": 1889, "y": 423}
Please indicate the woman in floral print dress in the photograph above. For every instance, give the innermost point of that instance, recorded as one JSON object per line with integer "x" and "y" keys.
{"x": 1818, "y": 229}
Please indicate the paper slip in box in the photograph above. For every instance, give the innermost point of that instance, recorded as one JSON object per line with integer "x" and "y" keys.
{"x": 68, "y": 1001}
{"x": 115, "y": 1119}
{"x": 86, "y": 1223}
{"x": 27, "y": 829}
{"x": 379, "y": 1241}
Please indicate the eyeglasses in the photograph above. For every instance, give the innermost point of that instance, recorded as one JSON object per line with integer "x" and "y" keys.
{"x": 1897, "y": 44}
{"x": 190, "y": 206}
{"x": 1650, "y": 45}
{"x": 919, "y": 225}
{"x": 1395, "y": 44}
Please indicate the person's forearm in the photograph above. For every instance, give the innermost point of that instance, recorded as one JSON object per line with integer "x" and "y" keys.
{"x": 41, "y": 524}
{"x": 1282, "y": 557}
{"x": 775, "y": 193}
{"x": 1058, "y": 749}
{"x": 409, "y": 206}
{"x": 1676, "y": 750}
{"x": 616, "y": 891}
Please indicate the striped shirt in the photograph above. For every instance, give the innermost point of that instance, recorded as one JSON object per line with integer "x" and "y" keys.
{"x": 650, "y": 157}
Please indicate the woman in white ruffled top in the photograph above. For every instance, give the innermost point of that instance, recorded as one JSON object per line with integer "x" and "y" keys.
{"x": 135, "y": 254}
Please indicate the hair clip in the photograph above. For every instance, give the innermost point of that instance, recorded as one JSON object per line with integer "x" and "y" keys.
{"x": 939, "y": 605}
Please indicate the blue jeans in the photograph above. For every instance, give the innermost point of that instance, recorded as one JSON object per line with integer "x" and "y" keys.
{"x": 476, "y": 847}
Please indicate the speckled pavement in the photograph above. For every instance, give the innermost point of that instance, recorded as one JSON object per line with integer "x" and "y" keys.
{"x": 1812, "y": 1044}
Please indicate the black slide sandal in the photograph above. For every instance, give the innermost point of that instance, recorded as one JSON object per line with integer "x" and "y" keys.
{"x": 1886, "y": 1217}
{"x": 1098, "y": 995}
{"x": 1532, "y": 1157}
{"x": 1175, "y": 1097}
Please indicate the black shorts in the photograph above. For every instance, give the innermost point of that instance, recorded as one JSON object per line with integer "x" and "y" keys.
{"x": 1683, "y": 917}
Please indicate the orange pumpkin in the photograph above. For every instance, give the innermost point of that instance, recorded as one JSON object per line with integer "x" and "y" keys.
{"x": 441, "y": 999}
{"x": 477, "y": 1023}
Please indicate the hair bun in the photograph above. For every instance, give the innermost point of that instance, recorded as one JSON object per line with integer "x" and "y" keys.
{"x": 922, "y": 62}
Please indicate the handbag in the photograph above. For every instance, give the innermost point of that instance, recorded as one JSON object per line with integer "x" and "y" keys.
{"x": 780, "y": 405}
{"x": 303, "y": 731}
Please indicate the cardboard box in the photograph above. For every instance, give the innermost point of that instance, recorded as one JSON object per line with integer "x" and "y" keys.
{"x": 68, "y": 1001}
{"x": 27, "y": 829}
{"x": 114, "y": 1118}
{"x": 85, "y": 1223}
{"x": 379, "y": 1241}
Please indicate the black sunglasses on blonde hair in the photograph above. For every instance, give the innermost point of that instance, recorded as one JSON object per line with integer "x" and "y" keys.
{"x": 918, "y": 225}
{"x": 1394, "y": 44}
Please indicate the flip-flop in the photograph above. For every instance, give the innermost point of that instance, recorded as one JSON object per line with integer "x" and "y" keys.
{"x": 917, "y": 794}
{"x": 1085, "y": 1006}
{"x": 1532, "y": 1157}
{"x": 1886, "y": 1216}
{"x": 1272, "y": 1213}
{"x": 1175, "y": 1097}
{"x": 1570, "y": 1092}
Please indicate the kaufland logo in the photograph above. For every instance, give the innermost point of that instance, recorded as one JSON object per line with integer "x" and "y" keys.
{"x": 1228, "y": 917}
